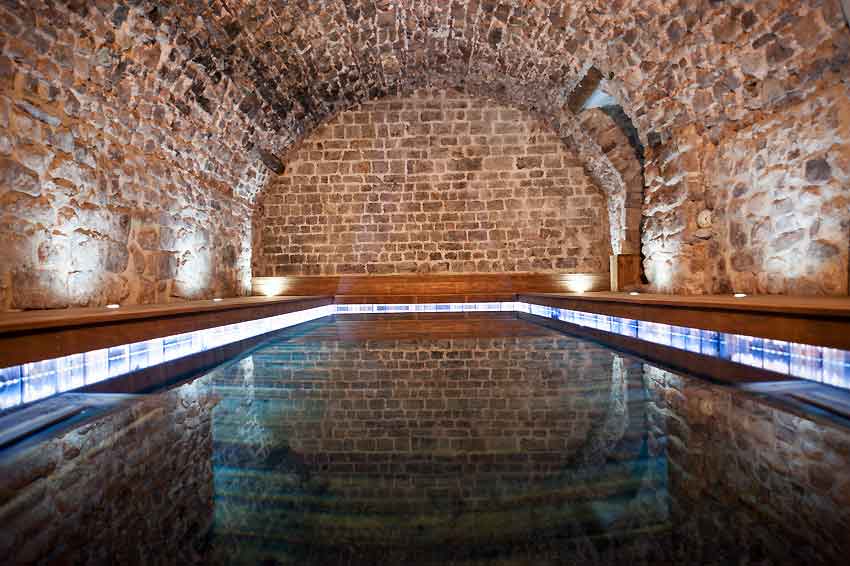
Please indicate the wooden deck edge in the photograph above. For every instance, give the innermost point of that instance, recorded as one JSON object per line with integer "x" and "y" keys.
{"x": 710, "y": 368}
{"x": 77, "y": 335}
{"x": 827, "y": 329}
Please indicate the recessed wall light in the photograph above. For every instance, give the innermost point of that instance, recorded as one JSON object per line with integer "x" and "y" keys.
{"x": 634, "y": 293}
{"x": 217, "y": 300}
{"x": 579, "y": 283}
{"x": 739, "y": 295}
{"x": 113, "y": 306}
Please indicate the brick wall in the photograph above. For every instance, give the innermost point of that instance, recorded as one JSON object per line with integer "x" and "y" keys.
{"x": 434, "y": 182}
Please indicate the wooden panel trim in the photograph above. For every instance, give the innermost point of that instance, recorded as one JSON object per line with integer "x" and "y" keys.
{"x": 419, "y": 284}
{"x": 804, "y": 324}
{"x": 785, "y": 304}
{"x": 61, "y": 318}
{"x": 72, "y": 332}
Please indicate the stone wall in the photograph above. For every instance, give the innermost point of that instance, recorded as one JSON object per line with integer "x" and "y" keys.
{"x": 780, "y": 196}
{"x": 605, "y": 127}
{"x": 133, "y": 487}
{"x": 716, "y": 78}
{"x": 435, "y": 182}
{"x": 689, "y": 75}
{"x": 121, "y": 161}
{"x": 171, "y": 106}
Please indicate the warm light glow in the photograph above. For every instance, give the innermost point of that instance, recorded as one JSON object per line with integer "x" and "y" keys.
{"x": 271, "y": 286}
{"x": 739, "y": 295}
{"x": 661, "y": 273}
{"x": 579, "y": 283}
{"x": 217, "y": 300}
{"x": 113, "y": 306}
{"x": 634, "y": 293}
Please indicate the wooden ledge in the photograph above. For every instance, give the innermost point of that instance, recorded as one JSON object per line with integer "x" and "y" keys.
{"x": 821, "y": 306}
{"x": 33, "y": 336}
{"x": 62, "y": 318}
{"x": 420, "y": 284}
{"x": 807, "y": 320}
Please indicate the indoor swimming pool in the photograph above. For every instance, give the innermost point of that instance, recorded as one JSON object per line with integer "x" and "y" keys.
{"x": 440, "y": 439}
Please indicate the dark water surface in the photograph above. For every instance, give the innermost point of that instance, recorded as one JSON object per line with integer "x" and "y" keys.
{"x": 517, "y": 446}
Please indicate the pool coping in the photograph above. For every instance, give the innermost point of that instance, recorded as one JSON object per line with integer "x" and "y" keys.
{"x": 814, "y": 321}
{"x": 33, "y": 336}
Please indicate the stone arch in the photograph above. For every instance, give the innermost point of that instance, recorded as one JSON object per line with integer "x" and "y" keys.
{"x": 707, "y": 85}
{"x": 596, "y": 162}
{"x": 688, "y": 75}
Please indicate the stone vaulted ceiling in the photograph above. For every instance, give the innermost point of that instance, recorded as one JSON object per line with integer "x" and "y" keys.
{"x": 300, "y": 63}
{"x": 304, "y": 61}
{"x": 671, "y": 62}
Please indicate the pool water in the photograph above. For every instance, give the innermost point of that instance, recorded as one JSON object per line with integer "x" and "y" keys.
{"x": 480, "y": 441}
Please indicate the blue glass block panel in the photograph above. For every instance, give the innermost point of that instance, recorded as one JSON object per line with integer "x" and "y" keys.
{"x": 806, "y": 361}
{"x": 835, "y": 366}
{"x": 11, "y": 387}
{"x": 10, "y": 375}
{"x": 177, "y": 346}
{"x": 654, "y": 332}
{"x": 625, "y": 326}
{"x": 71, "y": 372}
{"x": 709, "y": 342}
{"x": 96, "y": 365}
{"x": 39, "y": 380}
{"x": 11, "y": 394}
{"x": 119, "y": 360}
{"x": 138, "y": 355}
{"x": 777, "y": 356}
{"x": 679, "y": 337}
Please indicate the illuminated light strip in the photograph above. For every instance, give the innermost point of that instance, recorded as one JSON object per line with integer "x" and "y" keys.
{"x": 37, "y": 380}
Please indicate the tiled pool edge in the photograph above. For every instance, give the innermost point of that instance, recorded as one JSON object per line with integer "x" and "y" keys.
{"x": 765, "y": 357}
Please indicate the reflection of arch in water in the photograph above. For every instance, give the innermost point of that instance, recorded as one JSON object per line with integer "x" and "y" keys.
{"x": 609, "y": 482}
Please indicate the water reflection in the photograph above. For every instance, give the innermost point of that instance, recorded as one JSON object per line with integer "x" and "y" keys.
{"x": 131, "y": 487}
{"x": 525, "y": 450}
{"x": 522, "y": 449}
